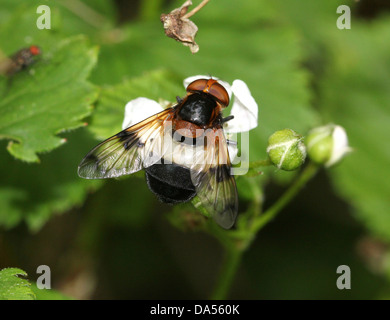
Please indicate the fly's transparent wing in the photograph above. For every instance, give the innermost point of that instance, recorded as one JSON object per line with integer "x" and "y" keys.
{"x": 130, "y": 150}
{"x": 215, "y": 186}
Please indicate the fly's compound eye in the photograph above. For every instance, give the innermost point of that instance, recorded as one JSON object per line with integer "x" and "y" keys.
{"x": 219, "y": 92}
{"x": 197, "y": 85}
{"x": 211, "y": 87}
{"x": 35, "y": 50}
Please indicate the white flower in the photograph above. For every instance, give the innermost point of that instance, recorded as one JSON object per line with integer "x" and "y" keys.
{"x": 328, "y": 144}
{"x": 244, "y": 109}
{"x": 139, "y": 109}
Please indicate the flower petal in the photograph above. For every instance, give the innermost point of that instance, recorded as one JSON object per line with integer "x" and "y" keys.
{"x": 139, "y": 109}
{"x": 340, "y": 145}
{"x": 233, "y": 150}
{"x": 244, "y": 110}
{"x": 226, "y": 85}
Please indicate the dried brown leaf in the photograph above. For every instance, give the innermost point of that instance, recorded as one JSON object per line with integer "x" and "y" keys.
{"x": 179, "y": 28}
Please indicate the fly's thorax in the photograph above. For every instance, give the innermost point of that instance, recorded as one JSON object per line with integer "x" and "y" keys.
{"x": 199, "y": 108}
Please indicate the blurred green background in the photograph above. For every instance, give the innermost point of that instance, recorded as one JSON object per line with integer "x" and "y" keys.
{"x": 113, "y": 239}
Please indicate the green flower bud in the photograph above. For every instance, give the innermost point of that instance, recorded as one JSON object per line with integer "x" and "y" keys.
{"x": 326, "y": 145}
{"x": 286, "y": 150}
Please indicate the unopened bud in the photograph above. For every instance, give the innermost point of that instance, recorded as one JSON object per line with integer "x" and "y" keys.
{"x": 286, "y": 150}
{"x": 326, "y": 145}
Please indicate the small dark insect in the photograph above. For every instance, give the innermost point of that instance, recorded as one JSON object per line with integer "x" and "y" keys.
{"x": 160, "y": 145}
{"x": 21, "y": 60}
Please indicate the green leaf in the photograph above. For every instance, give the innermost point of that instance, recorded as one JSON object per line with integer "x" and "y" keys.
{"x": 84, "y": 16}
{"x": 355, "y": 94}
{"x": 33, "y": 193}
{"x": 108, "y": 116}
{"x": 316, "y": 22}
{"x": 48, "y": 294}
{"x": 124, "y": 203}
{"x": 12, "y": 287}
{"x": 68, "y": 17}
{"x": 37, "y": 106}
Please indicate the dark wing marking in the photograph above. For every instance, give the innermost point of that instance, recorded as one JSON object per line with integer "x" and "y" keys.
{"x": 129, "y": 151}
{"x": 215, "y": 186}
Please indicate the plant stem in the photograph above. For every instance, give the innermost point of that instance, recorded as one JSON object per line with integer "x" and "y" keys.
{"x": 234, "y": 250}
{"x": 195, "y": 10}
{"x": 227, "y": 273}
{"x": 299, "y": 183}
{"x": 260, "y": 163}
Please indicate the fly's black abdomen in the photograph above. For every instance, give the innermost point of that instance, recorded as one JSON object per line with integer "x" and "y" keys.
{"x": 170, "y": 182}
{"x": 198, "y": 109}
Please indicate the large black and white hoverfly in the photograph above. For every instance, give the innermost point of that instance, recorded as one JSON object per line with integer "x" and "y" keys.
{"x": 161, "y": 144}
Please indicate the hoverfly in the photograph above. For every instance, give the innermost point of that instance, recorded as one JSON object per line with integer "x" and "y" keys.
{"x": 21, "y": 60}
{"x": 160, "y": 145}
